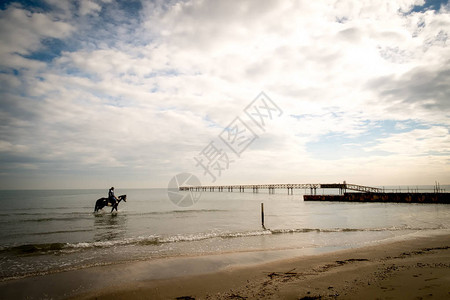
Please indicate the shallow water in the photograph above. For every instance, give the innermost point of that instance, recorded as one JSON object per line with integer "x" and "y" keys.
{"x": 49, "y": 231}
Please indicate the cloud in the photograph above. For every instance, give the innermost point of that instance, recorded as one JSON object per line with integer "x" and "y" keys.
{"x": 427, "y": 87}
{"x": 133, "y": 91}
{"x": 22, "y": 31}
{"x": 89, "y": 7}
{"x": 418, "y": 142}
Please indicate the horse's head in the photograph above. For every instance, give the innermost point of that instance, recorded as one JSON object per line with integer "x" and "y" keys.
{"x": 123, "y": 197}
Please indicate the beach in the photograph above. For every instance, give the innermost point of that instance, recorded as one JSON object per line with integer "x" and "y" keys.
{"x": 417, "y": 267}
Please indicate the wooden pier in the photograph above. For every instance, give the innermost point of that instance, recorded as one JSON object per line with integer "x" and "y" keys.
{"x": 360, "y": 193}
{"x": 342, "y": 187}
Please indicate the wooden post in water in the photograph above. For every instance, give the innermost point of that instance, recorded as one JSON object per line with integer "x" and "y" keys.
{"x": 262, "y": 216}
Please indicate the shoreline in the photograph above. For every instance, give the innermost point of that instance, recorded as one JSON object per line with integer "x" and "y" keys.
{"x": 420, "y": 261}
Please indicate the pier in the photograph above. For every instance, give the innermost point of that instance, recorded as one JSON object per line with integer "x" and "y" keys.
{"x": 358, "y": 193}
{"x": 289, "y": 187}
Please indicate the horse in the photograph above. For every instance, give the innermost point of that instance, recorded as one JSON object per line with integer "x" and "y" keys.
{"x": 102, "y": 202}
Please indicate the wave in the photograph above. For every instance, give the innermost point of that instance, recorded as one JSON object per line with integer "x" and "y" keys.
{"x": 53, "y": 248}
{"x": 43, "y": 220}
{"x": 187, "y": 211}
{"x": 61, "y": 231}
{"x": 70, "y": 216}
{"x": 33, "y": 248}
{"x": 23, "y": 210}
{"x": 51, "y": 219}
{"x": 305, "y": 230}
{"x": 331, "y": 230}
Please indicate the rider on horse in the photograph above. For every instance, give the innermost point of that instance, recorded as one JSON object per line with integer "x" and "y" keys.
{"x": 112, "y": 200}
{"x": 111, "y": 197}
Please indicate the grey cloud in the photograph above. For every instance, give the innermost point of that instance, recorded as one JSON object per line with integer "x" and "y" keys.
{"x": 424, "y": 86}
{"x": 351, "y": 35}
{"x": 13, "y": 106}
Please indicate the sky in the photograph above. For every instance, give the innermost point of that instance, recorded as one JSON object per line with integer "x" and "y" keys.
{"x": 100, "y": 93}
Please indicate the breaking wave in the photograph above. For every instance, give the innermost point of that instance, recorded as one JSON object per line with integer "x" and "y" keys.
{"x": 57, "y": 248}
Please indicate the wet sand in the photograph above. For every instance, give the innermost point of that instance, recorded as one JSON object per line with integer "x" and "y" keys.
{"x": 416, "y": 268}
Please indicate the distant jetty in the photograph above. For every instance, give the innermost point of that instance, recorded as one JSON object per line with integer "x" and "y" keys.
{"x": 407, "y": 197}
{"x": 360, "y": 193}
{"x": 342, "y": 187}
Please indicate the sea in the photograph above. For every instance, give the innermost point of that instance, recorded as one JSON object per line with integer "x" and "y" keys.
{"x": 50, "y": 231}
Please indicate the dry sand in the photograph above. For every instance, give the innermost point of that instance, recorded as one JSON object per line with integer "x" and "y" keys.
{"x": 410, "y": 269}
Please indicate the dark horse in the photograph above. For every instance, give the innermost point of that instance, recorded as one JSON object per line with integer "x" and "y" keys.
{"x": 102, "y": 202}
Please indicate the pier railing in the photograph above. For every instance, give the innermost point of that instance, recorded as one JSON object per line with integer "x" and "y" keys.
{"x": 364, "y": 189}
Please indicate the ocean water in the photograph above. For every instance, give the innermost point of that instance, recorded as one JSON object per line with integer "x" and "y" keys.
{"x": 50, "y": 231}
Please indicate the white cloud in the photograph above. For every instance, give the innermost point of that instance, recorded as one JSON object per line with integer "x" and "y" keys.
{"x": 22, "y": 31}
{"x": 418, "y": 142}
{"x": 89, "y": 7}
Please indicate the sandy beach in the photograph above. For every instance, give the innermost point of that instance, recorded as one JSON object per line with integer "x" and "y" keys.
{"x": 417, "y": 268}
